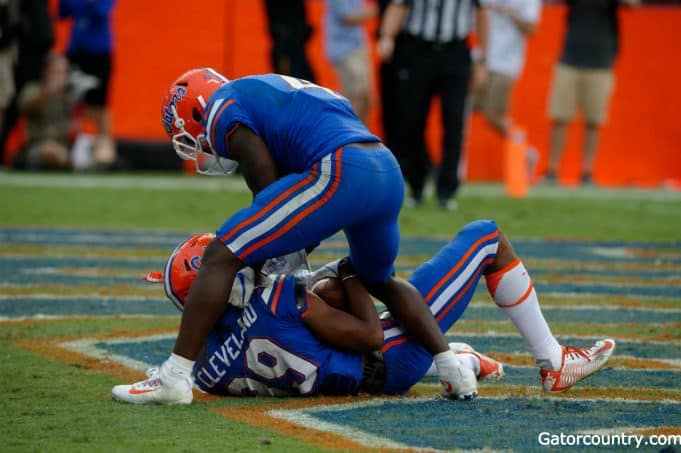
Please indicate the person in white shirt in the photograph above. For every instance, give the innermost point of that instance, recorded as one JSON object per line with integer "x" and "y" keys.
{"x": 511, "y": 22}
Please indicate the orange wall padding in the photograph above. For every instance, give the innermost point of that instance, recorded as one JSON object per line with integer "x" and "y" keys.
{"x": 156, "y": 40}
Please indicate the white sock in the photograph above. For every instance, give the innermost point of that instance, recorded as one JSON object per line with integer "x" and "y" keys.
{"x": 446, "y": 359}
{"x": 180, "y": 366}
{"x": 512, "y": 290}
{"x": 466, "y": 359}
{"x": 470, "y": 361}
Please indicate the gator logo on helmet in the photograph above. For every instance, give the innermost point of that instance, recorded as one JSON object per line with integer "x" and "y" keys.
{"x": 168, "y": 116}
{"x": 195, "y": 262}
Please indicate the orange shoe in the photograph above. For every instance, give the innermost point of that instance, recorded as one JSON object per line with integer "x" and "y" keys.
{"x": 577, "y": 364}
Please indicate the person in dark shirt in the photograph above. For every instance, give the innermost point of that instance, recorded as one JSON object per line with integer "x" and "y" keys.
{"x": 90, "y": 49}
{"x": 584, "y": 77}
{"x": 290, "y": 31}
{"x": 428, "y": 43}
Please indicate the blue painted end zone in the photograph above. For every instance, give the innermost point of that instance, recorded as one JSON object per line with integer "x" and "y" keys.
{"x": 496, "y": 423}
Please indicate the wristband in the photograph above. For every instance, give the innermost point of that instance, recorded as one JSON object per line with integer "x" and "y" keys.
{"x": 348, "y": 277}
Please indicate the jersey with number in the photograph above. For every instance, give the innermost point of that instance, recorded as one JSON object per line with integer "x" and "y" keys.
{"x": 265, "y": 349}
{"x": 300, "y": 122}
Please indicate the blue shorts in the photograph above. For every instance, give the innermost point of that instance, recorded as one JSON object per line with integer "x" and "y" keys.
{"x": 358, "y": 190}
{"x": 447, "y": 282}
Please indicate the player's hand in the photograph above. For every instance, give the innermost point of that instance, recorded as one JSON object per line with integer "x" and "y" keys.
{"x": 478, "y": 76}
{"x": 385, "y": 48}
{"x": 346, "y": 269}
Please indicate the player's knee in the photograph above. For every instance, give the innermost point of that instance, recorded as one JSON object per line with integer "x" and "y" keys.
{"x": 480, "y": 228}
{"x": 505, "y": 254}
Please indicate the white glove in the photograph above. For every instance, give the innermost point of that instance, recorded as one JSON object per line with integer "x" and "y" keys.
{"x": 242, "y": 288}
{"x": 326, "y": 271}
{"x": 286, "y": 264}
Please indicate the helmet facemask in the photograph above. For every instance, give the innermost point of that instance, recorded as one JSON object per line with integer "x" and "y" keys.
{"x": 198, "y": 149}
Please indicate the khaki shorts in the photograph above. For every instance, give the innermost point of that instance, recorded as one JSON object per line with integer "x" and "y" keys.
{"x": 353, "y": 72}
{"x": 6, "y": 77}
{"x": 495, "y": 96}
{"x": 588, "y": 89}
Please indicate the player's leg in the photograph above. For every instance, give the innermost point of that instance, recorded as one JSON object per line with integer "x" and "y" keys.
{"x": 446, "y": 282}
{"x": 561, "y": 109}
{"x": 373, "y": 247}
{"x": 597, "y": 90}
{"x": 454, "y": 84}
{"x": 415, "y": 87}
{"x": 510, "y": 286}
{"x": 282, "y": 218}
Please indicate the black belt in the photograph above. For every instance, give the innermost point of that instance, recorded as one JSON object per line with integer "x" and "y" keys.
{"x": 373, "y": 373}
{"x": 419, "y": 42}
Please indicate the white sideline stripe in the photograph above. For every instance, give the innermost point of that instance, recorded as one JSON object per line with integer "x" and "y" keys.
{"x": 236, "y": 183}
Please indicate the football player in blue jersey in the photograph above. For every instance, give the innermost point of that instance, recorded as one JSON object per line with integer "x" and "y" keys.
{"x": 314, "y": 170}
{"x": 308, "y": 334}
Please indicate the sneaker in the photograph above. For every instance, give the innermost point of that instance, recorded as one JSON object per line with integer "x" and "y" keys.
{"x": 154, "y": 390}
{"x": 586, "y": 179}
{"x": 449, "y": 205}
{"x": 549, "y": 178}
{"x": 414, "y": 202}
{"x": 490, "y": 369}
{"x": 459, "y": 383}
{"x": 577, "y": 364}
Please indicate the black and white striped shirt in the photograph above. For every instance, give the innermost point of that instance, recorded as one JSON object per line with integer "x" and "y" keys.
{"x": 439, "y": 20}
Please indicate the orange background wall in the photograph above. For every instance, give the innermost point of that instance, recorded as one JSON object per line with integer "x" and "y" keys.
{"x": 156, "y": 40}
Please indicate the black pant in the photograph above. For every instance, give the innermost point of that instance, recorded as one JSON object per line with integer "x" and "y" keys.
{"x": 424, "y": 70}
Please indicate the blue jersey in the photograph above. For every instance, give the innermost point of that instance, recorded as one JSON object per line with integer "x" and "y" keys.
{"x": 300, "y": 122}
{"x": 265, "y": 349}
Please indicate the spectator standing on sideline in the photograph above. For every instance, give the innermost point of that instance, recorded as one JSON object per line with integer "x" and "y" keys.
{"x": 584, "y": 77}
{"x": 389, "y": 91}
{"x": 511, "y": 22}
{"x": 91, "y": 50}
{"x": 290, "y": 31}
{"x": 346, "y": 48}
{"x": 34, "y": 41}
{"x": 433, "y": 57}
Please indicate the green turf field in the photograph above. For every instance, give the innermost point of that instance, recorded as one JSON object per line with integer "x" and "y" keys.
{"x": 55, "y": 400}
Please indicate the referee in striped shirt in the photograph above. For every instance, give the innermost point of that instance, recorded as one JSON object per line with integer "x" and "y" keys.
{"x": 427, "y": 43}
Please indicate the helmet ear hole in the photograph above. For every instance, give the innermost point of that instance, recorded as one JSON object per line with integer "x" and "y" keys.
{"x": 196, "y": 115}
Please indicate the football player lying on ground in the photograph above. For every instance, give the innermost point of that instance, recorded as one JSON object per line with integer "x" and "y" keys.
{"x": 314, "y": 169}
{"x": 286, "y": 340}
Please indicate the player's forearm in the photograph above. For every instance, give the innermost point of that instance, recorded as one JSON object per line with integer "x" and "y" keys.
{"x": 482, "y": 27}
{"x": 392, "y": 20}
{"x": 360, "y": 303}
